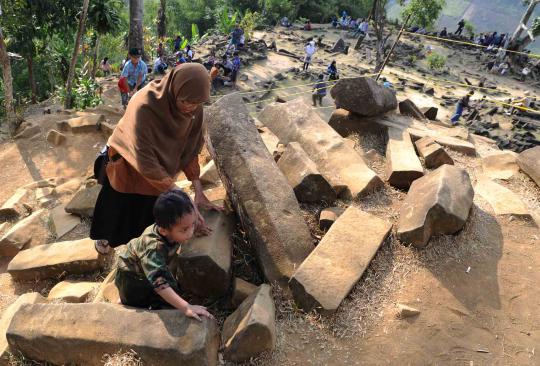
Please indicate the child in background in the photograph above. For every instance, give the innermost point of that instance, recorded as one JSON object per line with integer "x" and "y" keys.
{"x": 319, "y": 91}
{"x": 236, "y": 68}
{"x": 143, "y": 277}
{"x": 124, "y": 90}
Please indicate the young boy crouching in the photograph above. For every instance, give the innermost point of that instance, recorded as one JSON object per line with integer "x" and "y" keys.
{"x": 143, "y": 277}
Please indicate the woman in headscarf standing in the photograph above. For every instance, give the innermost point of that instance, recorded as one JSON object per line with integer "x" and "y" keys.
{"x": 160, "y": 135}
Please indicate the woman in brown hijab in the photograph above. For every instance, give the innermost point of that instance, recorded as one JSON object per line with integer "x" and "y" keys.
{"x": 160, "y": 134}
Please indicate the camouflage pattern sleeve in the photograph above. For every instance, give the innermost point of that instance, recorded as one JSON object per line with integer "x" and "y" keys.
{"x": 154, "y": 266}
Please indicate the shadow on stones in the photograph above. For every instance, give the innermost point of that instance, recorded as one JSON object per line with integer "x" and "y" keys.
{"x": 478, "y": 246}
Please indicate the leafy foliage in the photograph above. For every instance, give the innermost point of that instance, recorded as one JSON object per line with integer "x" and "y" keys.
{"x": 423, "y": 13}
{"x": 85, "y": 93}
{"x": 469, "y": 28}
{"x": 436, "y": 61}
{"x": 226, "y": 20}
{"x": 249, "y": 22}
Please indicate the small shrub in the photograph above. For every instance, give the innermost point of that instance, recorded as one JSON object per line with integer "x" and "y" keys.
{"x": 250, "y": 21}
{"x": 469, "y": 28}
{"x": 436, "y": 61}
{"x": 85, "y": 93}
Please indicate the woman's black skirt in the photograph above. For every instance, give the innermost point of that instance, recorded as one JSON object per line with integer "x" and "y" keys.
{"x": 120, "y": 217}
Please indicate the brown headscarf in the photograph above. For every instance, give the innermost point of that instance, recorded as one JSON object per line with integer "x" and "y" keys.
{"x": 154, "y": 136}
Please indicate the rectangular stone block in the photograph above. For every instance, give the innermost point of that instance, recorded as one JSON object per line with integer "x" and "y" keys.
{"x": 340, "y": 164}
{"x": 260, "y": 194}
{"x": 50, "y": 260}
{"x": 81, "y": 334}
{"x": 329, "y": 273}
{"x": 434, "y": 155}
{"x": 402, "y": 164}
{"x": 86, "y": 123}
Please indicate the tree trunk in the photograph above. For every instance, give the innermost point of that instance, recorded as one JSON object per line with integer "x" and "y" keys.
{"x": 136, "y": 12}
{"x": 95, "y": 57}
{"x": 162, "y": 20}
{"x": 31, "y": 78}
{"x": 514, "y": 43}
{"x": 69, "y": 83}
{"x": 8, "y": 86}
{"x": 379, "y": 17}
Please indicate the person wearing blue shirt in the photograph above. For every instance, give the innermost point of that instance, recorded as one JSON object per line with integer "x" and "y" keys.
{"x": 135, "y": 71}
{"x": 332, "y": 71}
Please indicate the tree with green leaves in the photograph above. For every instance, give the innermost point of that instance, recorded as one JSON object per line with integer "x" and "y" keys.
{"x": 103, "y": 18}
{"x": 8, "y": 83}
{"x": 424, "y": 13}
{"x": 69, "y": 83}
{"x": 519, "y": 41}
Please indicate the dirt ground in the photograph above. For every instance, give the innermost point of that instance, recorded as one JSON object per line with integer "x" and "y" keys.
{"x": 477, "y": 291}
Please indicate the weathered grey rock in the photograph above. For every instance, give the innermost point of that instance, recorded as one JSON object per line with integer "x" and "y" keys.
{"x": 46, "y": 332}
{"x": 15, "y": 206}
{"x": 302, "y": 174}
{"x": 408, "y": 108}
{"x": 241, "y": 290}
{"x": 502, "y": 200}
{"x": 260, "y": 194}
{"x": 62, "y": 222}
{"x": 72, "y": 291}
{"x": 363, "y": 96}
{"x": 20, "y": 235}
{"x": 50, "y": 260}
{"x": 339, "y": 46}
{"x": 434, "y": 154}
{"x": 404, "y": 311}
{"x": 502, "y": 165}
{"x": 28, "y": 298}
{"x": 251, "y": 329}
{"x": 328, "y": 216}
{"x": 529, "y": 162}
{"x": 329, "y": 273}
{"x": 341, "y": 165}
{"x": 29, "y": 131}
{"x": 204, "y": 263}
{"x": 84, "y": 201}
{"x": 56, "y": 138}
{"x": 438, "y": 203}
{"x": 209, "y": 174}
{"x": 68, "y": 187}
{"x": 402, "y": 165}
{"x": 346, "y": 123}
{"x": 457, "y": 144}
{"x": 430, "y": 113}
{"x": 85, "y": 123}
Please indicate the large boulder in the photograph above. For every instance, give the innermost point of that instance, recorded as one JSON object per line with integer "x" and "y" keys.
{"x": 306, "y": 181}
{"x": 204, "y": 263}
{"x": 21, "y": 234}
{"x": 251, "y": 329}
{"x": 7, "y": 315}
{"x": 408, "y": 108}
{"x": 46, "y": 332}
{"x": 339, "y": 46}
{"x": 529, "y": 162}
{"x": 346, "y": 123}
{"x": 363, "y": 96}
{"x": 329, "y": 273}
{"x": 339, "y": 163}
{"x": 260, "y": 194}
{"x": 402, "y": 164}
{"x": 51, "y": 260}
{"x": 434, "y": 154}
{"x": 451, "y": 142}
{"x": 438, "y": 203}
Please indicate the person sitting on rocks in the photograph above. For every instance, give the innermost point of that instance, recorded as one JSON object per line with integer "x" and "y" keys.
{"x": 333, "y": 71}
{"x": 143, "y": 277}
{"x": 189, "y": 53}
{"x": 211, "y": 60}
{"x": 310, "y": 51}
{"x": 525, "y": 72}
{"x": 236, "y": 63}
{"x": 160, "y": 66}
{"x": 226, "y": 65}
{"x": 319, "y": 91}
{"x": 180, "y": 58}
{"x": 504, "y": 67}
{"x": 177, "y": 43}
{"x": 160, "y": 135}
{"x": 307, "y": 25}
{"x": 444, "y": 33}
{"x": 285, "y": 22}
{"x": 386, "y": 84}
{"x": 160, "y": 51}
{"x": 461, "y": 104}
{"x": 334, "y": 21}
